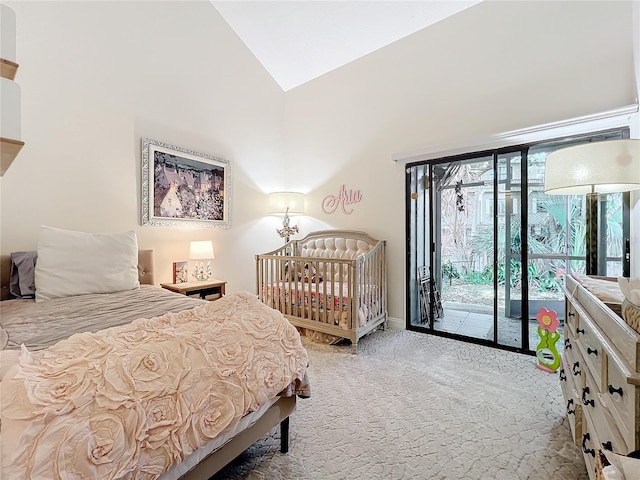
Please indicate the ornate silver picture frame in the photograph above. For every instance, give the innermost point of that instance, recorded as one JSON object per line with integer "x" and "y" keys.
{"x": 183, "y": 188}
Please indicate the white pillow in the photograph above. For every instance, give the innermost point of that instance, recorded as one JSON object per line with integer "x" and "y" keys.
{"x": 78, "y": 263}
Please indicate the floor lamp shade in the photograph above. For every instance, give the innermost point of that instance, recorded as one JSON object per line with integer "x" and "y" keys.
{"x": 592, "y": 169}
{"x": 599, "y": 167}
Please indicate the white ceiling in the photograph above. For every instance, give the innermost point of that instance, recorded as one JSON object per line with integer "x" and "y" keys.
{"x": 299, "y": 40}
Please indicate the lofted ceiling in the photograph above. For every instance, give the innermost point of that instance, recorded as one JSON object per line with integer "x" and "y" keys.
{"x": 299, "y": 40}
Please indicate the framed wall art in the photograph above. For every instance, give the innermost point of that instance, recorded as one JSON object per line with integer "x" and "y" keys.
{"x": 183, "y": 188}
{"x": 180, "y": 272}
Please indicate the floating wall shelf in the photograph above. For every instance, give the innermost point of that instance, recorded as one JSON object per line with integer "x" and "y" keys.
{"x": 9, "y": 149}
{"x": 8, "y": 69}
{"x": 10, "y": 128}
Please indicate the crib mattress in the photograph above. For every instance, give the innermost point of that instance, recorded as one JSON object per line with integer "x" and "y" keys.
{"x": 329, "y": 295}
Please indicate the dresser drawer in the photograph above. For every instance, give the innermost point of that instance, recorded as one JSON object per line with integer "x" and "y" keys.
{"x": 571, "y": 317}
{"x": 573, "y": 407}
{"x": 608, "y": 437}
{"x": 599, "y": 430}
{"x": 621, "y": 399}
{"x": 574, "y": 366}
{"x": 589, "y": 445}
{"x": 589, "y": 340}
{"x": 570, "y": 338}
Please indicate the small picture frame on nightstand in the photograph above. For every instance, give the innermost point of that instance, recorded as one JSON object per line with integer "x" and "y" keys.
{"x": 180, "y": 272}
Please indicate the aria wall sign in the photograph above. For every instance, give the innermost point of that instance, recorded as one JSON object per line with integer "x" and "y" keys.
{"x": 342, "y": 200}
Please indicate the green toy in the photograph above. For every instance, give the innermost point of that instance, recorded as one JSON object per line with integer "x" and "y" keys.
{"x": 546, "y": 352}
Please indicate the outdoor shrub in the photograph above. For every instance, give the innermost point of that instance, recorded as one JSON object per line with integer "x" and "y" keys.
{"x": 479, "y": 278}
{"x": 450, "y": 271}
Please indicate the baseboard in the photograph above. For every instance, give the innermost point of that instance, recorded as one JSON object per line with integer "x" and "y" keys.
{"x": 395, "y": 323}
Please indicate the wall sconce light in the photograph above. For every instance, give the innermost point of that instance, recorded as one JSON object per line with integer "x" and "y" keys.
{"x": 590, "y": 169}
{"x": 286, "y": 203}
{"x": 202, "y": 250}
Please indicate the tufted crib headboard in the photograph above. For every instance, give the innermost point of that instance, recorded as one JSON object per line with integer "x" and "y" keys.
{"x": 343, "y": 244}
{"x": 335, "y": 245}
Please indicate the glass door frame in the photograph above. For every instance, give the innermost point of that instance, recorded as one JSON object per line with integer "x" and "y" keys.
{"x": 433, "y": 224}
{"x": 412, "y": 253}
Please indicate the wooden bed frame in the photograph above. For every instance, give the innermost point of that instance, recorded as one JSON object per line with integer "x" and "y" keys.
{"x": 292, "y": 279}
{"x": 277, "y": 414}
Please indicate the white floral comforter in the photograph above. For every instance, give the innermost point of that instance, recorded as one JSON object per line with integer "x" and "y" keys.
{"x": 131, "y": 401}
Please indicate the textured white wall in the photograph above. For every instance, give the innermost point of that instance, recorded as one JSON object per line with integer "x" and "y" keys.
{"x": 98, "y": 76}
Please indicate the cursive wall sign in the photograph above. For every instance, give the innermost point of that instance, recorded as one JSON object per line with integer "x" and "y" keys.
{"x": 345, "y": 197}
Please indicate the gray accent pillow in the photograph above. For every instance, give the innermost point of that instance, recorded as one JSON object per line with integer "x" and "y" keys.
{"x": 22, "y": 280}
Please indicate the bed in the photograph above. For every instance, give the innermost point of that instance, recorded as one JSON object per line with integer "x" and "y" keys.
{"x": 333, "y": 282}
{"x": 151, "y": 384}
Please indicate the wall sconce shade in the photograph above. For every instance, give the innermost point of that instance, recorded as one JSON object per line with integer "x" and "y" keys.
{"x": 279, "y": 201}
{"x": 201, "y": 250}
{"x": 598, "y": 167}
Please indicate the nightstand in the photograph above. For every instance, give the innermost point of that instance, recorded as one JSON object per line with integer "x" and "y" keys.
{"x": 207, "y": 290}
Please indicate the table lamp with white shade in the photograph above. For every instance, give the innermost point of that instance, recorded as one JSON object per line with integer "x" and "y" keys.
{"x": 200, "y": 251}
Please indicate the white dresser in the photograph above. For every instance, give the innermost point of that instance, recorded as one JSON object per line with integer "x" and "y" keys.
{"x": 600, "y": 375}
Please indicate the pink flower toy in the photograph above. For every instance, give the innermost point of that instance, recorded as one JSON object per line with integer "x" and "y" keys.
{"x": 546, "y": 352}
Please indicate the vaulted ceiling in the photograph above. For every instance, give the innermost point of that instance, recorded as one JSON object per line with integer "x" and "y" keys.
{"x": 297, "y": 41}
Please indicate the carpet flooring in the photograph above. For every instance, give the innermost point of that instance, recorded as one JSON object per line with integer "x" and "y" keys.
{"x": 416, "y": 406}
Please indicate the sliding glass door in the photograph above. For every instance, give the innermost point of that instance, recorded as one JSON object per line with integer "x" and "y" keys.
{"x": 464, "y": 251}
{"x": 488, "y": 248}
{"x": 466, "y": 223}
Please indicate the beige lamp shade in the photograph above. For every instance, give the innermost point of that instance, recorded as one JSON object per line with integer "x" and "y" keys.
{"x": 279, "y": 201}
{"x": 201, "y": 250}
{"x": 599, "y": 167}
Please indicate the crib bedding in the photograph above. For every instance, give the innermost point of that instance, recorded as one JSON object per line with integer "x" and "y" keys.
{"x": 39, "y": 325}
{"x": 332, "y": 296}
{"x": 140, "y": 397}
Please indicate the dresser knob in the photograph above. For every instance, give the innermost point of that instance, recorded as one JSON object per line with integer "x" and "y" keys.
{"x": 563, "y": 376}
{"x": 579, "y": 330}
{"x": 607, "y": 446}
{"x": 590, "y": 451}
{"x": 585, "y": 392}
{"x": 615, "y": 390}
{"x": 572, "y": 314}
{"x": 576, "y": 369}
{"x": 567, "y": 344}
{"x": 592, "y": 352}
{"x": 570, "y": 411}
